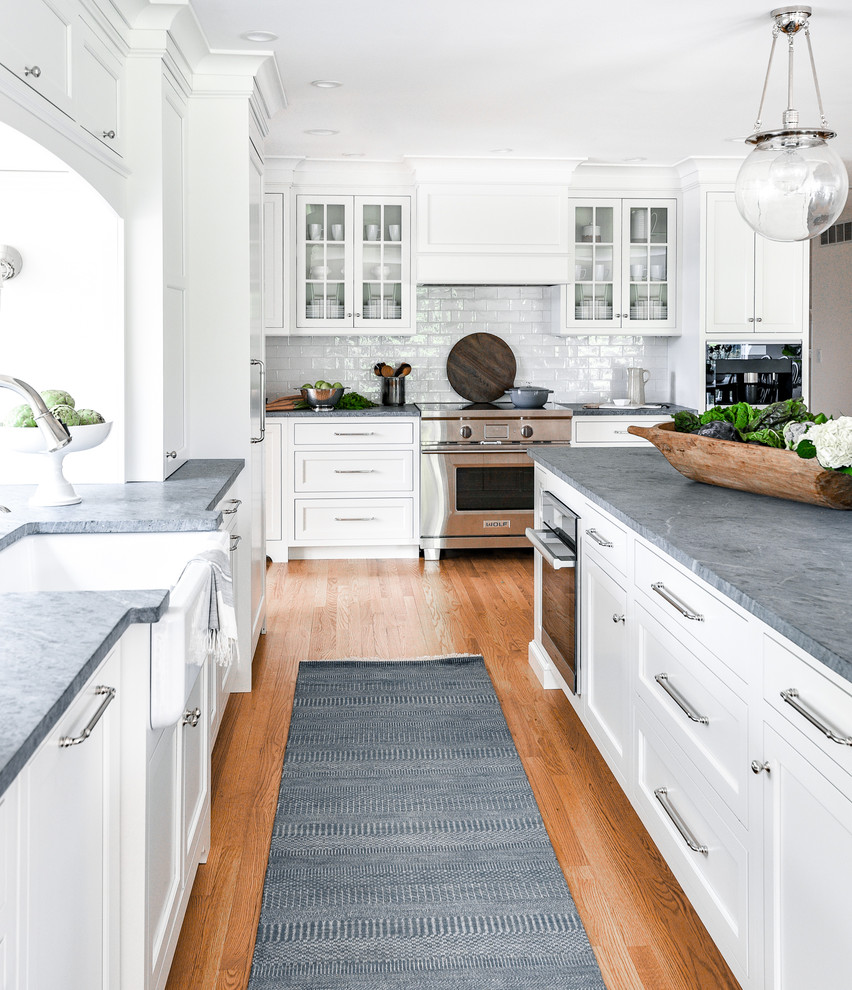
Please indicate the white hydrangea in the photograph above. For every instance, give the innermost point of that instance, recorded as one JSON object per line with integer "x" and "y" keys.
{"x": 833, "y": 442}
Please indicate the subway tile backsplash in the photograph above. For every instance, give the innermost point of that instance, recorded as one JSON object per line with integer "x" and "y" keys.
{"x": 578, "y": 369}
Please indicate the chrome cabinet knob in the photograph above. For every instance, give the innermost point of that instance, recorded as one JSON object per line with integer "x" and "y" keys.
{"x": 618, "y": 618}
{"x": 108, "y": 134}
{"x": 191, "y": 717}
{"x": 758, "y": 767}
{"x": 33, "y": 71}
{"x": 171, "y": 455}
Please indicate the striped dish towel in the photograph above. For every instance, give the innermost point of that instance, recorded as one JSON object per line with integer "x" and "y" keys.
{"x": 214, "y": 622}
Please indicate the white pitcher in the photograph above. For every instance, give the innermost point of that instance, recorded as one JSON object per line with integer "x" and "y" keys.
{"x": 636, "y": 378}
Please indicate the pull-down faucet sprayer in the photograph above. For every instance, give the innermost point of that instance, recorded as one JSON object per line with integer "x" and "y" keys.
{"x": 54, "y": 432}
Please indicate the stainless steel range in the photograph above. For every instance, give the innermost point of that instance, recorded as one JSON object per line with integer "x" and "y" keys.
{"x": 476, "y": 478}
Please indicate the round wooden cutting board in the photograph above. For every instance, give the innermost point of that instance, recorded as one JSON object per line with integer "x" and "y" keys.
{"x": 481, "y": 367}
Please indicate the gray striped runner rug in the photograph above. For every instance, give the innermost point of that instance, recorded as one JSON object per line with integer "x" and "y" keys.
{"x": 407, "y": 850}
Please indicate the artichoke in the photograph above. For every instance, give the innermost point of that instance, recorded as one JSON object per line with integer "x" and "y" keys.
{"x": 20, "y": 416}
{"x": 66, "y": 414}
{"x": 89, "y": 417}
{"x": 57, "y": 397}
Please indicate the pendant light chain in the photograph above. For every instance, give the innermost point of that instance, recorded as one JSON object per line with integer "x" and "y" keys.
{"x": 759, "y": 122}
{"x": 816, "y": 81}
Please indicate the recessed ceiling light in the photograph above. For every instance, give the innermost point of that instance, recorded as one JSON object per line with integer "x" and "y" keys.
{"x": 632, "y": 161}
{"x": 326, "y": 83}
{"x": 259, "y": 36}
{"x": 501, "y": 151}
{"x": 322, "y": 131}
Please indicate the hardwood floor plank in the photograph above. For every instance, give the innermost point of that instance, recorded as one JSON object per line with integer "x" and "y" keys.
{"x": 645, "y": 933}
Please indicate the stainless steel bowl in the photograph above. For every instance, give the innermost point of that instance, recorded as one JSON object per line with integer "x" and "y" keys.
{"x": 528, "y": 396}
{"x": 322, "y": 398}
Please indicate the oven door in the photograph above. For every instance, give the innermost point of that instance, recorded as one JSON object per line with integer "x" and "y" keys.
{"x": 557, "y": 587}
{"x": 475, "y": 498}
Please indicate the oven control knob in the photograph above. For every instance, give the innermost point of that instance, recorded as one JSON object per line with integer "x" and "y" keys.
{"x": 526, "y": 431}
{"x": 466, "y": 432}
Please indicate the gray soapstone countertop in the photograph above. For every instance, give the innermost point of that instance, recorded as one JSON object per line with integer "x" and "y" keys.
{"x": 51, "y": 643}
{"x": 662, "y": 409}
{"x": 409, "y": 409}
{"x": 785, "y": 562}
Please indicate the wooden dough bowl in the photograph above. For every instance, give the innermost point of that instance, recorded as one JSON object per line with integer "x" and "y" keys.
{"x": 749, "y": 467}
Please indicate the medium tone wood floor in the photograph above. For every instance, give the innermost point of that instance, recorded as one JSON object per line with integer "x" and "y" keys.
{"x": 643, "y": 930}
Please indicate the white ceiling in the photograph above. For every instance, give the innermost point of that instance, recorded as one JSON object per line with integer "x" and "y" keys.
{"x": 603, "y": 82}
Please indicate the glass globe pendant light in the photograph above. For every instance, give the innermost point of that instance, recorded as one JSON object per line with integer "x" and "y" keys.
{"x": 792, "y": 185}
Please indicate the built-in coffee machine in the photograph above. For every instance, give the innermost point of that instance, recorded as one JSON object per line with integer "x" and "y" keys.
{"x": 755, "y": 373}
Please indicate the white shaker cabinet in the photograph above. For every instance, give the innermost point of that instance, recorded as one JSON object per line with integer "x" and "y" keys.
{"x": 275, "y": 282}
{"x": 36, "y": 44}
{"x": 625, "y": 267}
{"x": 353, "y": 265}
{"x": 69, "y": 843}
{"x": 98, "y": 87}
{"x": 753, "y": 286}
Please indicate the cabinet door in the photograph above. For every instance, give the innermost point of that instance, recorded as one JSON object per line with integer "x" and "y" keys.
{"x": 808, "y": 863}
{"x": 605, "y": 675}
{"x": 730, "y": 268}
{"x": 97, "y": 97}
{"x": 196, "y": 776}
{"x": 382, "y": 239}
{"x": 594, "y": 298}
{"x": 9, "y": 910}
{"x": 274, "y": 272}
{"x": 71, "y": 828}
{"x": 780, "y": 276}
{"x": 324, "y": 245}
{"x": 650, "y": 263}
{"x": 36, "y": 44}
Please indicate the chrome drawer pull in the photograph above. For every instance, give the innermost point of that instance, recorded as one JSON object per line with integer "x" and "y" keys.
{"x": 790, "y": 696}
{"x": 620, "y": 431}
{"x": 600, "y": 540}
{"x": 109, "y": 694}
{"x": 353, "y": 471}
{"x": 354, "y": 518}
{"x": 672, "y": 599}
{"x": 661, "y": 794}
{"x": 235, "y": 502}
{"x": 369, "y": 433}
{"x": 679, "y": 700}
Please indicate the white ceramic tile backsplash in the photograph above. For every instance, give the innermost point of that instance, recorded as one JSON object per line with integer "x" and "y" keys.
{"x": 578, "y": 369}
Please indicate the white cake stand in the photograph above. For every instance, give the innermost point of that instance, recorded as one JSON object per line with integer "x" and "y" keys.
{"x": 53, "y": 489}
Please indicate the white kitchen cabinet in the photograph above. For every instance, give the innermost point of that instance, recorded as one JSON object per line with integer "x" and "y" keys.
{"x": 9, "y": 896}
{"x": 273, "y": 446}
{"x": 70, "y": 845}
{"x": 36, "y": 44}
{"x": 353, "y": 265}
{"x": 754, "y": 287}
{"x": 606, "y": 678}
{"x": 351, "y": 487}
{"x": 610, "y": 431}
{"x": 275, "y": 281}
{"x": 98, "y": 87}
{"x": 807, "y": 863}
{"x": 492, "y": 234}
{"x": 625, "y": 267}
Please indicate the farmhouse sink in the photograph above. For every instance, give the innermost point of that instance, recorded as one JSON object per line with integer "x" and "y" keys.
{"x": 126, "y": 562}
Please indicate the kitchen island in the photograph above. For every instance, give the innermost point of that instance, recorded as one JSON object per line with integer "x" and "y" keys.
{"x": 715, "y": 678}
{"x": 51, "y": 642}
{"x": 783, "y": 561}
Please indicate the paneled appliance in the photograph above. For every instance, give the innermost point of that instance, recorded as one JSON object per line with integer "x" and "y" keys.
{"x": 755, "y": 373}
{"x": 476, "y": 479}
{"x": 558, "y": 587}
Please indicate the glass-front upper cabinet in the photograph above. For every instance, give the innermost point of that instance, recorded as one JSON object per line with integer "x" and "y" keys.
{"x": 624, "y": 268}
{"x": 353, "y": 265}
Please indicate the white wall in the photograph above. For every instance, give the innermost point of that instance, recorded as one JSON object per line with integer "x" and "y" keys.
{"x": 61, "y": 319}
{"x": 831, "y": 325}
{"x": 578, "y": 369}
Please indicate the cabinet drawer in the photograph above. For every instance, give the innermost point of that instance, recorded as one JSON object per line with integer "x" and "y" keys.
{"x": 351, "y": 520}
{"x": 690, "y": 606}
{"x": 809, "y": 695}
{"x": 607, "y": 538}
{"x": 352, "y": 432}
{"x": 715, "y": 876}
{"x": 706, "y": 718}
{"x": 600, "y": 430}
{"x": 357, "y": 471}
